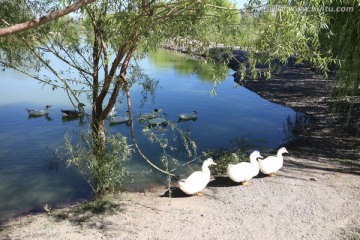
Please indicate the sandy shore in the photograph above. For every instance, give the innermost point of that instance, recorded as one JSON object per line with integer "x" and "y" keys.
{"x": 315, "y": 195}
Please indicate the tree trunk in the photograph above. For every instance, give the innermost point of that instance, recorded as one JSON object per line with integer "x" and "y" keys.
{"x": 98, "y": 130}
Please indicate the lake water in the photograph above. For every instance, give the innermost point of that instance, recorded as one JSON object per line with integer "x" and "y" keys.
{"x": 29, "y": 176}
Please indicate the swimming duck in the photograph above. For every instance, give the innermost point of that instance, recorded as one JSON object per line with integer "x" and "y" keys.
{"x": 74, "y": 113}
{"x": 244, "y": 171}
{"x": 188, "y": 116}
{"x": 112, "y": 112}
{"x": 272, "y": 164}
{"x": 144, "y": 116}
{"x": 35, "y": 112}
{"x": 197, "y": 181}
{"x": 120, "y": 119}
{"x": 158, "y": 120}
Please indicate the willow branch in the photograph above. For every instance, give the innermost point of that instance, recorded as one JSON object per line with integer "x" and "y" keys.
{"x": 44, "y": 19}
{"x": 132, "y": 132}
{"x": 47, "y": 65}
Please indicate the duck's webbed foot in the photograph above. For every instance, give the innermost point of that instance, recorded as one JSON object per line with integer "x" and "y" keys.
{"x": 245, "y": 183}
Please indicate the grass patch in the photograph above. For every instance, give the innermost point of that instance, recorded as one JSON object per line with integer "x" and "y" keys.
{"x": 242, "y": 148}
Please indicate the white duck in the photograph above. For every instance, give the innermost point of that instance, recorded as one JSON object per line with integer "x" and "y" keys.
{"x": 272, "y": 164}
{"x": 158, "y": 120}
{"x": 244, "y": 171}
{"x": 120, "y": 119}
{"x": 197, "y": 181}
{"x": 188, "y": 116}
{"x": 144, "y": 116}
{"x": 35, "y": 112}
{"x": 74, "y": 113}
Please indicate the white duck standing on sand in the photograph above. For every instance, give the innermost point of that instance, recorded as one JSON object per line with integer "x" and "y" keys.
{"x": 244, "y": 171}
{"x": 35, "y": 112}
{"x": 74, "y": 113}
{"x": 197, "y": 181}
{"x": 188, "y": 116}
{"x": 272, "y": 164}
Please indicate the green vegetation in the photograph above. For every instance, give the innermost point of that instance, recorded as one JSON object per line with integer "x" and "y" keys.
{"x": 355, "y": 237}
{"x": 105, "y": 172}
{"x": 344, "y": 43}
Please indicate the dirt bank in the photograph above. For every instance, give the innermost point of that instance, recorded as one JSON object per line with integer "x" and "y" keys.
{"x": 325, "y": 138}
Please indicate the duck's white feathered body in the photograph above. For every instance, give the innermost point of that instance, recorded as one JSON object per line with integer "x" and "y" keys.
{"x": 272, "y": 164}
{"x": 197, "y": 181}
{"x": 35, "y": 112}
{"x": 188, "y": 116}
{"x": 244, "y": 171}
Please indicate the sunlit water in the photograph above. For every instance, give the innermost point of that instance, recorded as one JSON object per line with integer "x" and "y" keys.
{"x": 29, "y": 176}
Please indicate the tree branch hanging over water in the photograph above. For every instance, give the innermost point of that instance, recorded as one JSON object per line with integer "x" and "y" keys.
{"x": 19, "y": 27}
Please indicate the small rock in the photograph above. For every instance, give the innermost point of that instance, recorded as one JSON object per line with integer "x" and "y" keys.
{"x": 313, "y": 179}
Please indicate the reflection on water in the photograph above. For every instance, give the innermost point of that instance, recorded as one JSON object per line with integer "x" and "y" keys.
{"x": 185, "y": 66}
{"x": 31, "y": 175}
{"x": 295, "y": 123}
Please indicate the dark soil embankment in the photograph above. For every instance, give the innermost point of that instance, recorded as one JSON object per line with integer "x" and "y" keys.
{"x": 326, "y": 136}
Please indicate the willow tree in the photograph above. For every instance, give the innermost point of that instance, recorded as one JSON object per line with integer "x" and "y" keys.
{"x": 97, "y": 45}
{"x": 344, "y": 43}
{"x": 324, "y": 33}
